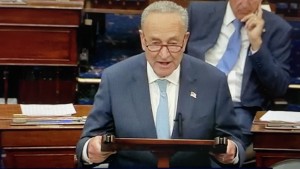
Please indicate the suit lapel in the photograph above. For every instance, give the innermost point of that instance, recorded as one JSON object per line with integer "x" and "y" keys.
{"x": 214, "y": 24}
{"x": 186, "y": 95}
{"x": 141, "y": 99}
{"x": 247, "y": 71}
{"x": 248, "y": 64}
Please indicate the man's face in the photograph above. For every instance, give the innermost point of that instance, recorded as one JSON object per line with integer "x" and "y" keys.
{"x": 165, "y": 29}
{"x": 242, "y": 8}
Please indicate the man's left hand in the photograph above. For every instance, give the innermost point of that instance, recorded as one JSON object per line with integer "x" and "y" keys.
{"x": 228, "y": 157}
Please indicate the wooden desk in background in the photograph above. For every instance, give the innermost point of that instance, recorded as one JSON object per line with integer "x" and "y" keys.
{"x": 40, "y": 33}
{"x": 274, "y": 146}
{"x": 38, "y": 146}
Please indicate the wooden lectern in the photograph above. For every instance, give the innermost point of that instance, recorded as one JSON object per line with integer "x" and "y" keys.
{"x": 162, "y": 149}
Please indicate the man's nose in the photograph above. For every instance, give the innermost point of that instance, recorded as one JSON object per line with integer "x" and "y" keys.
{"x": 164, "y": 52}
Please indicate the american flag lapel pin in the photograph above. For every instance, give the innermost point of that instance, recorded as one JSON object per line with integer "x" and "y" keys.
{"x": 193, "y": 94}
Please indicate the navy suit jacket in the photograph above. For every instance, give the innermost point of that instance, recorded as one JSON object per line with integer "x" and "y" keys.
{"x": 122, "y": 106}
{"x": 266, "y": 73}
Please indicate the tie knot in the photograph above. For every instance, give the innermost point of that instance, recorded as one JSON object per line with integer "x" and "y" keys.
{"x": 237, "y": 24}
{"x": 162, "y": 84}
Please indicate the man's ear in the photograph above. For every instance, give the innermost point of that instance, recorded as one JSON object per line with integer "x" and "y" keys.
{"x": 142, "y": 39}
{"x": 186, "y": 38}
{"x": 187, "y": 35}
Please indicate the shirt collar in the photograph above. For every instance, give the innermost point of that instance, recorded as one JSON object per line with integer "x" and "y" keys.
{"x": 173, "y": 78}
{"x": 229, "y": 16}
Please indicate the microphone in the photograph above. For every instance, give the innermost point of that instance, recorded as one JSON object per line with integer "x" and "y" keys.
{"x": 179, "y": 120}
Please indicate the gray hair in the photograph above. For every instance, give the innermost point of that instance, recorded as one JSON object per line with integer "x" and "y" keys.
{"x": 166, "y": 7}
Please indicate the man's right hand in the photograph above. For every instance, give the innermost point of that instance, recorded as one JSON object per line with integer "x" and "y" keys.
{"x": 94, "y": 152}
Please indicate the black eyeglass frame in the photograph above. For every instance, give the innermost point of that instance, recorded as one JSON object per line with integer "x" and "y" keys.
{"x": 167, "y": 46}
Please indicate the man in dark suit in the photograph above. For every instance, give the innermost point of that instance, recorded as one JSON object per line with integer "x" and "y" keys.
{"x": 261, "y": 72}
{"x": 126, "y": 103}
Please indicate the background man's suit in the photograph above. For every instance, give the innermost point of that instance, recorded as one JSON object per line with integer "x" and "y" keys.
{"x": 124, "y": 97}
{"x": 266, "y": 73}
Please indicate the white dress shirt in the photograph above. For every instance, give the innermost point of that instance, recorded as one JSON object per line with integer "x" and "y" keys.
{"x": 214, "y": 54}
{"x": 172, "y": 92}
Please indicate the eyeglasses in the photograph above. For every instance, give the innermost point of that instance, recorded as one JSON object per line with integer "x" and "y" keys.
{"x": 171, "y": 48}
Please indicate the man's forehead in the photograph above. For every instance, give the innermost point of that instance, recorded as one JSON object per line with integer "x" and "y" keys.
{"x": 163, "y": 20}
{"x": 157, "y": 16}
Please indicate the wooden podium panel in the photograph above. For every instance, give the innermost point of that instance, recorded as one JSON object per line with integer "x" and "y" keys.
{"x": 47, "y": 85}
{"x": 40, "y": 32}
{"x": 43, "y": 146}
{"x": 163, "y": 149}
{"x": 37, "y": 46}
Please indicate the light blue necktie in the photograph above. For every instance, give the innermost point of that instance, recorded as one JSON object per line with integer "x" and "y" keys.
{"x": 232, "y": 52}
{"x": 162, "y": 114}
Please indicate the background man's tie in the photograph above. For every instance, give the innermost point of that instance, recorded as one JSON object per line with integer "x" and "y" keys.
{"x": 232, "y": 52}
{"x": 162, "y": 114}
